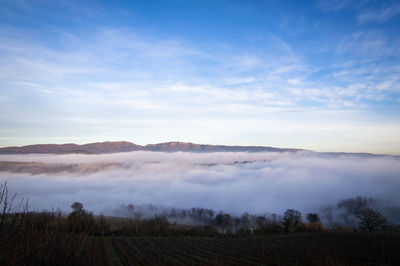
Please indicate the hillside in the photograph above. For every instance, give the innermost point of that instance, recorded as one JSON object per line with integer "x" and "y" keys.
{"x": 124, "y": 146}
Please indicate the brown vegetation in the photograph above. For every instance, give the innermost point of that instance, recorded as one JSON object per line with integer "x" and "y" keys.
{"x": 49, "y": 238}
{"x": 37, "y": 238}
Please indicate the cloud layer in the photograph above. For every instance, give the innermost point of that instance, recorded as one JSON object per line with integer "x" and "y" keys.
{"x": 233, "y": 182}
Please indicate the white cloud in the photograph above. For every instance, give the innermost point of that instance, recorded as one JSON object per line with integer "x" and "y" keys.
{"x": 336, "y": 5}
{"x": 141, "y": 71}
{"x": 110, "y": 75}
{"x": 381, "y": 15}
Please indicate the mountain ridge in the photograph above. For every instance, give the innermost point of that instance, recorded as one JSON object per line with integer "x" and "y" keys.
{"x": 108, "y": 147}
{"x": 125, "y": 146}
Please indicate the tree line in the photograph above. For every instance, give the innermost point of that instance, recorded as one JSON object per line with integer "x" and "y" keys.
{"x": 45, "y": 237}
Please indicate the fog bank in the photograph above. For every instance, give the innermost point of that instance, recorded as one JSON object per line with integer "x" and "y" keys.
{"x": 232, "y": 182}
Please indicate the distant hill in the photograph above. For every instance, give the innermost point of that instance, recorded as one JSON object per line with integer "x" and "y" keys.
{"x": 192, "y": 147}
{"x": 91, "y": 148}
{"x": 123, "y": 146}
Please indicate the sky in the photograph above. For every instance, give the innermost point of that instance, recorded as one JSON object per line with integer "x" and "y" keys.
{"x": 315, "y": 74}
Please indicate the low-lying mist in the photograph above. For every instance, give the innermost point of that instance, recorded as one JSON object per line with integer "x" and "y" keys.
{"x": 233, "y": 182}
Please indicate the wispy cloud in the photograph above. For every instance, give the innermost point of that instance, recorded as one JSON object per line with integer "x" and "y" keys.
{"x": 130, "y": 76}
{"x": 106, "y": 70}
{"x": 131, "y": 67}
{"x": 334, "y": 4}
{"x": 381, "y": 14}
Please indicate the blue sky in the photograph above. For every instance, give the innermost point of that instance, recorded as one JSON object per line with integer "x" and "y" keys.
{"x": 319, "y": 74}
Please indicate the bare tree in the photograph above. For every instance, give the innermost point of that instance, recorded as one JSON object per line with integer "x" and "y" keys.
{"x": 80, "y": 219}
{"x": 77, "y": 207}
{"x": 371, "y": 220}
{"x": 290, "y": 220}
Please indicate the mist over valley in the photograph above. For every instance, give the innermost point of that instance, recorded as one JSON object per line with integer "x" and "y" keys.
{"x": 234, "y": 182}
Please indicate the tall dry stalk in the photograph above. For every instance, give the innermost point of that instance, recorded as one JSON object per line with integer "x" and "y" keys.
{"x": 36, "y": 238}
